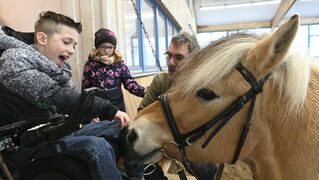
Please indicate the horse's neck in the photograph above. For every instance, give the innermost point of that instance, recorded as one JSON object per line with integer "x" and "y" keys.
{"x": 289, "y": 142}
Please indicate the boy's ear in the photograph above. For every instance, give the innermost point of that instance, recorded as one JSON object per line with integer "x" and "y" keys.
{"x": 42, "y": 38}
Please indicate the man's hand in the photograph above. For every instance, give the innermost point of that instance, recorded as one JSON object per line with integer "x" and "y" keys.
{"x": 122, "y": 117}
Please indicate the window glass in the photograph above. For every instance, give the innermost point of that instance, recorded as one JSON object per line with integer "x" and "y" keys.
{"x": 313, "y": 46}
{"x": 149, "y": 22}
{"x": 175, "y": 30}
{"x": 247, "y": 31}
{"x": 218, "y": 35}
{"x": 300, "y": 43}
{"x": 131, "y": 32}
{"x": 262, "y": 31}
{"x": 136, "y": 42}
{"x": 314, "y": 29}
{"x": 161, "y": 39}
{"x": 204, "y": 39}
{"x": 229, "y": 33}
{"x": 170, "y": 32}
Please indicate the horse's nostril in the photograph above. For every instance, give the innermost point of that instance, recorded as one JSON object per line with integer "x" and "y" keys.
{"x": 131, "y": 136}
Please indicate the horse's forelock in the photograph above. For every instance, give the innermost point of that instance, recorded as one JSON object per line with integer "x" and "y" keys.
{"x": 212, "y": 63}
{"x": 218, "y": 59}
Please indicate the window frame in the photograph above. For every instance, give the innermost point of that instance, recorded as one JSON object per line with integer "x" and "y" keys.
{"x": 157, "y": 10}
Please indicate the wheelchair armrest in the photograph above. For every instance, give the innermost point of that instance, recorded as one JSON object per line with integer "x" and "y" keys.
{"x": 15, "y": 128}
{"x": 62, "y": 125}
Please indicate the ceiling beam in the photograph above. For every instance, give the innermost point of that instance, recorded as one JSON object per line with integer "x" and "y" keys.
{"x": 223, "y": 27}
{"x": 252, "y": 25}
{"x": 281, "y": 11}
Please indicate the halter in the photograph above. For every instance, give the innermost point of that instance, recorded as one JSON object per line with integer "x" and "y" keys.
{"x": 186, "y": 139}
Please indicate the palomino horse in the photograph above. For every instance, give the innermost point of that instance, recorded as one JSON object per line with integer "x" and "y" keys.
{"x": 283, "y": 141}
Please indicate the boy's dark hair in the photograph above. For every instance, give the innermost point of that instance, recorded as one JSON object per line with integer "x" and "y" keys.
{"x": 49, "y": 22}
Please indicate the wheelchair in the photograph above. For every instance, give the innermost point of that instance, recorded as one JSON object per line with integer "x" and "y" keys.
{"x": 31, "y": 153}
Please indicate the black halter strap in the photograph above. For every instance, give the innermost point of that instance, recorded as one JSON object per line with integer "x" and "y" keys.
{"x": 186, "y": 139}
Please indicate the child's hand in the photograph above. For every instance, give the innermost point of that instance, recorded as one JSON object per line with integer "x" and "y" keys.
{"x": 95, "y": 120}
{"x": 123, "y": 118}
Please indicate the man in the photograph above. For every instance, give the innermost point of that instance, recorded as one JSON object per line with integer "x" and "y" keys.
{"x": 181, "y": 45}
{"x": 38, "y": 76}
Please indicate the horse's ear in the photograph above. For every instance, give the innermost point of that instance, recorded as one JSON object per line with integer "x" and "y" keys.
{"x": 270, "y": 52}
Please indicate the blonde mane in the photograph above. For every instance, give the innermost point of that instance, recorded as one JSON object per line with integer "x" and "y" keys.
{"x": 220, "y": 58}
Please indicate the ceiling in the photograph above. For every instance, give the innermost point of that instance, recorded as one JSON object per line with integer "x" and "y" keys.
{"x": 251, "y": 11}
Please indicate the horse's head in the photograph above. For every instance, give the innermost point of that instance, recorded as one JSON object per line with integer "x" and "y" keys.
{"x": 206, "y": 85}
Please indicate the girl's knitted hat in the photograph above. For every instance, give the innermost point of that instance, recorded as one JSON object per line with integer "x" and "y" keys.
{"x": 104, "y": 35}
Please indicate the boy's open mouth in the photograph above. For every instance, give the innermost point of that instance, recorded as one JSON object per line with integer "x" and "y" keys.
{"x": 62, "y": 58}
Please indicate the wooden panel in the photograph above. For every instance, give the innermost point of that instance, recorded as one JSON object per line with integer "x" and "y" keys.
{"x": 131, "y": 101}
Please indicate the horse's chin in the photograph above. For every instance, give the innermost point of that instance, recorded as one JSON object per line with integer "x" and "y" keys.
{"x": 153, "y": 159}
{"x": 150, "y": 157}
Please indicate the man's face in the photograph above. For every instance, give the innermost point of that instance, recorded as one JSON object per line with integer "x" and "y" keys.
{"x": 60, "y": 46}
{"x": 175, "y": 56}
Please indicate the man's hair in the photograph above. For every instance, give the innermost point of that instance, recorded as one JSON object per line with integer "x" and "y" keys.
{"x": 49, "y": 22}
{"x": 186, "y": 38}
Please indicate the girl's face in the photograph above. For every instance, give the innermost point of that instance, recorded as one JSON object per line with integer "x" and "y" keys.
{"x": 106, "y": 49}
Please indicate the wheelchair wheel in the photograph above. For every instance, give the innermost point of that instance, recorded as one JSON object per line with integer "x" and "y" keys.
{"x": 55, "y": 167}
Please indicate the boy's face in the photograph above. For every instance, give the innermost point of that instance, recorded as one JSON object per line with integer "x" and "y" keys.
{"x": 60, "y": 46}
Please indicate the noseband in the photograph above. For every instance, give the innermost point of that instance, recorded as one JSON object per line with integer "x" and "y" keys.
{"x": 186, "y": 139}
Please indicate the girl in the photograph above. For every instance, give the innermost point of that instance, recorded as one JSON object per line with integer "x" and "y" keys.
{"x": 106, "y": 70}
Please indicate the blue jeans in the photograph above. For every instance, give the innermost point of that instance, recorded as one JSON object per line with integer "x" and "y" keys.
{"x": 89, "y": 145}
{"x": 134, "y": 168}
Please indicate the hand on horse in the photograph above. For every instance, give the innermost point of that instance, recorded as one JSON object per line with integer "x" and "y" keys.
{"x": 122, "y": 117}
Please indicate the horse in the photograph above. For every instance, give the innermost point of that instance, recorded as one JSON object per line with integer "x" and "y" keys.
{"x": 282, "y": 110}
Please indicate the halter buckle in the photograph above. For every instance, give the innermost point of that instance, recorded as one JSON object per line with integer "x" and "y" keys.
{"x": 187, "y": 141}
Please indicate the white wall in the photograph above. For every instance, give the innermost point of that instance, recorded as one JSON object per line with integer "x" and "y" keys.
{"x": 21, "y": 14}
{"x": 182, "y": 13}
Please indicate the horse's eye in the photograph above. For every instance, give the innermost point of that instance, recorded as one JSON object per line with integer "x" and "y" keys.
{"x": 206, "y": 94}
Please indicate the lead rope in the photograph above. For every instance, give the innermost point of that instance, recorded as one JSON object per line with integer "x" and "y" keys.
{"x": 220, "y": 171}
{"x": 180, "y": 171}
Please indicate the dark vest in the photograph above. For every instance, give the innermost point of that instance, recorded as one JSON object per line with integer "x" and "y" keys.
{"x": 115, "y": 95}
{"x": 14, "y": 108}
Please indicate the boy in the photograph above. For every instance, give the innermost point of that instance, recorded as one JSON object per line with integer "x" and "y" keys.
{"x": 38, "y": 74}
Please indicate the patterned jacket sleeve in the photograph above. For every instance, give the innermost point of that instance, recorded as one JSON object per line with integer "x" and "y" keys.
{"x": 129, "y": 82}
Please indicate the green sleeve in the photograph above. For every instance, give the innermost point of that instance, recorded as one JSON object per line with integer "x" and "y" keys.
{"x": 151, "y": 95}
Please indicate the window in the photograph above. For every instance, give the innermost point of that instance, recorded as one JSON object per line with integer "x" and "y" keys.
{"x": 314, "y": 40}
{"x": 132, "y": 45}
{"x": 206, "y": 38}
{"x": 148, "y": 15}
{"x": 160, "y": 29}
{"x": 300, "y": 43}
{"x": 306, "y": 40}
{"x": 162, "y": 43}
{"x": 170, "y": 31}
